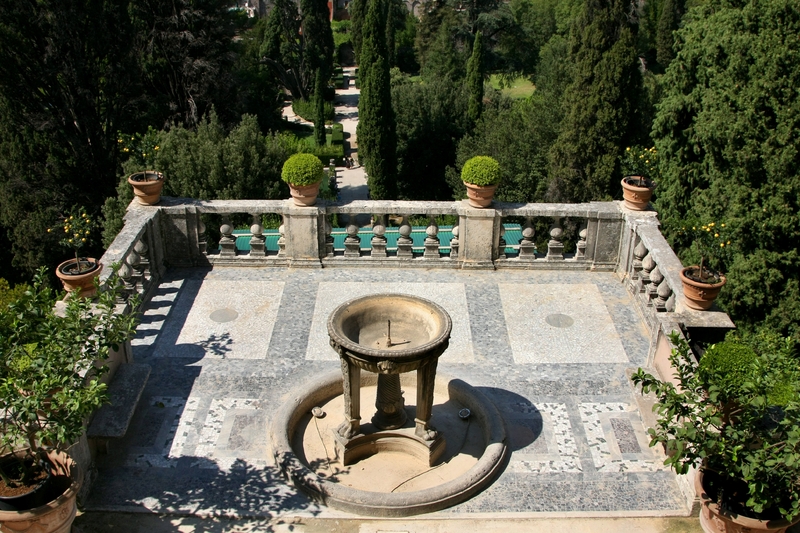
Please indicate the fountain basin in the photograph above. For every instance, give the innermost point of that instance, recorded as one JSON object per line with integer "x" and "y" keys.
{"x": 297, "y": 410}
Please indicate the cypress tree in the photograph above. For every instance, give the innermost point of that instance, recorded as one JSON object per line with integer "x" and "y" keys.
{"x": 599, "y": 105}
{"x": 358, "y": 12}
{"x": 318, "y": 36}
{"x": 376, "y": 134}
{"x": 319, "y": 109}
{"x": 667, "y": 23}
{"x": 475, "y": 79}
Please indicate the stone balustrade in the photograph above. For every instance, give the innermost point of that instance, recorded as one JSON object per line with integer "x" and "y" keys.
{"x": 595, "y": 236}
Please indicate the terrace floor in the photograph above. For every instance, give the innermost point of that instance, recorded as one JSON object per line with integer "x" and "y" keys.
{"x": 552, "y": 349}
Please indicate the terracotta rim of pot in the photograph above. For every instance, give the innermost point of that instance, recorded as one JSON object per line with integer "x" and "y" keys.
{"x": 305, "y": 195}
{"x": 710, "y": 513}
{"x": 636, "y": 198}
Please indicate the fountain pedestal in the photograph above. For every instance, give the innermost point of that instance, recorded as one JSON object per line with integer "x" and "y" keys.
{"x": 389, "y": 334}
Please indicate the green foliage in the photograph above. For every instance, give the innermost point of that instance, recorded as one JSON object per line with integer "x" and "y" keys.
{"x": 64, "y": 93}
{"x": 319, "y": 111}
{"x": 667, "y": 24}
{"x": 639, "y": 161}
{"x": 739, "y": 432}
{"x": 294, "y": 61}
{"x": 9, "y": 295}
{"x": 519, "y": 136}
{"x": 431, "y": 118}
{"x": 481, "y": 170}
{"x": 377, "y": 139}
{"x": 302, "y": 169}
{"x": 306, "y": 109}
{"x": 711, "y": 241}
{"x": 723, "y": 131}
{"x": 726, "y": 365}
{"x": 50, "y": 364}
{"x": 600, "y": 104}
{"x": 475, "y": 79}
{"x": 444, "y": 57}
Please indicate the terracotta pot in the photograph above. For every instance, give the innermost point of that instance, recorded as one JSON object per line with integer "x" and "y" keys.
{"x": 636, "y": 197}
{"x": 698, "y": 295}
{"x": 480, "y": 196}
{"x": 57, "y": 515}
{"x": 304, "y": 195}
{"x": 147, "y": 186}
{"x": 38, "y": 495}
{"x": 715, "y": 520}
{"x": 83, "y": 281}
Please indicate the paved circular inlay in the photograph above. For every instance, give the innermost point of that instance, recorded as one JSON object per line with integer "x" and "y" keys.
{"x": 224, "y": 315}
{"x": 559, "y": 320}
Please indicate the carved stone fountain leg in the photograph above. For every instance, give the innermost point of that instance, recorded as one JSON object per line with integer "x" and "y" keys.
{"x": 426, "y": 377}
{"x": 389, "y": 402}
{"x": 352, "y": 399}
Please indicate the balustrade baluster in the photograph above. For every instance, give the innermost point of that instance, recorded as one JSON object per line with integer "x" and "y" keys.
{"x": 227, "y": 243}
{"x": 202, "y": 242}
{"x": 580, "y": 248}
{"x": 648, "y": 264}
{"x": 454, "y": 243}
{"x": 527, "y": 248}
{"x": 404, "y": 241}
{"x": 282, "y": 241}
{"x": 501, "y": 243}
{"x": 378, "y": 240}
{"x": 257, "y": 241}
{"x": 136, "y": 275}
{"x": 663, "y": 295}
{"x": 125, "y": 274}
{"x": 431, "y": 240}
{"x": 328, "y": 238}
{"x": 638, "y": 255}
{"x": 143, "y": 268}
{"x": 656, "y": 278}
{"x": 555, "y": 246}
{"x": 352, "y": 243}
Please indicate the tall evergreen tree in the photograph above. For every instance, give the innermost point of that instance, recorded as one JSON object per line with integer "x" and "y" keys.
{"x": 358, "y": 12}
{"x": 600, "y": 104}
{"x": 667, "y": 24}
{"x": 475, "y": 79}
{"x": 66, "y": 88}
{"x": 726, "y": 130}
{"x": 317, "y": 36}
{"x": 319, "y": 109}
{"x": 376, "y": 134}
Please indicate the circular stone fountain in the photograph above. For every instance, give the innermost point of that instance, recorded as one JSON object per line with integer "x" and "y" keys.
{"x": 389, "y": 335}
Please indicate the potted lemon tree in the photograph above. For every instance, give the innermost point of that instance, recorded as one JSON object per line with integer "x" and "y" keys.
{"x": 79, "y": 273}
{"x": 481, "y": 175}
{"x": 640, "y": 168}
{"x": 50, "y": 368}
{"x": 703, "y": 282}
{"x": 735, "y": 415}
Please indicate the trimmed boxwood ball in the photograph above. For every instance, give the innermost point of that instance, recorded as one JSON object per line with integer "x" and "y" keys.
{"x": 302, "y": 169}
{"x": 481, "y": 170}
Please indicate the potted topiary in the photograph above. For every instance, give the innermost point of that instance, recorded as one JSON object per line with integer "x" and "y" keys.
{"x": 702, "y": 283}
{"x": 77, "y": 274}
{"x": 50, "y": 365}
{"x": 735, "y": 415}
{"x": 481, "y": 175}
{"x": 147, "y": 186}
{"x": 303, "y": 173}
{"x": 640, "y": 167}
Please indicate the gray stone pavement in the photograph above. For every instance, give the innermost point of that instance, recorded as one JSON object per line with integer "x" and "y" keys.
{"x": 552, "y": 349}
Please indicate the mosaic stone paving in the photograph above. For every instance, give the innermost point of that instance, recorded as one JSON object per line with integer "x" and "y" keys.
{"x": 551, "y": 349}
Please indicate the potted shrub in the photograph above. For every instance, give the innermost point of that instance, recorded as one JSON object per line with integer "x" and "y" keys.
{"x": 303, "y": 173}
{"x": 735, "y": 415}
{"x": 640, "y": 167}
{"x": 147, "y": 186}
{"x": 481, "y": 175}
{"x": 702, "y": 283}
{"x": 77, "y": 274}
{"x": 50, "y": 365}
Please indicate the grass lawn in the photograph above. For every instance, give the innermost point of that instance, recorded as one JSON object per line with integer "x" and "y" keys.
{"x": 520, "y": 87}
